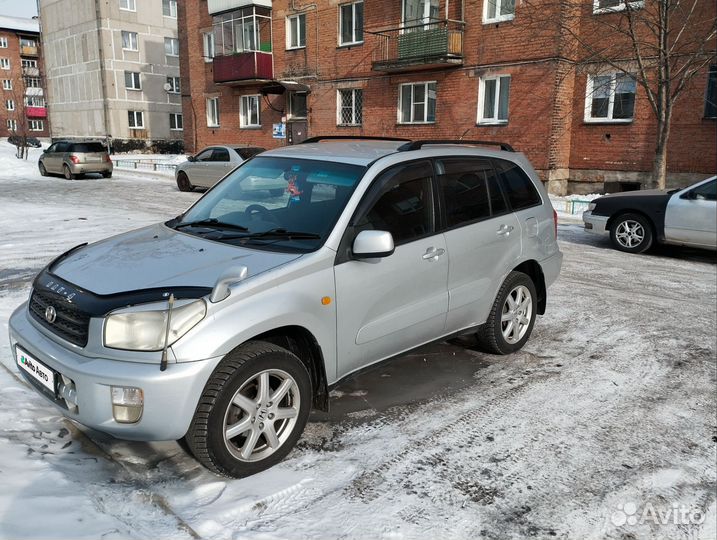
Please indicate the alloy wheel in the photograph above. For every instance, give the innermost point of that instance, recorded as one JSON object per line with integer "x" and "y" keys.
{"x": 630, "y": 234}
{"x": 516, "y": 315}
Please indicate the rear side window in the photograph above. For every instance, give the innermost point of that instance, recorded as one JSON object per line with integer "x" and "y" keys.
{"x": 470, "y": 190}
{"x": 220, "y": 154}
{"x": 87, "y": 147}
{"x": 246, "y": 153}
{"x": 517, "y": 185}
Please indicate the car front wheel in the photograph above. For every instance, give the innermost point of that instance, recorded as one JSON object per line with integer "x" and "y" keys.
{"x": 43, "y": 170}
{"x": 252, "y": 412}
{"x": 183, "y": 182}
{"x": 631, "y": 233}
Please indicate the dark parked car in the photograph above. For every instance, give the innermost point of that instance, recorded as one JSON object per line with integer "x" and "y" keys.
{"x": 74, "y": 159}
{"x": 34, "y": 142}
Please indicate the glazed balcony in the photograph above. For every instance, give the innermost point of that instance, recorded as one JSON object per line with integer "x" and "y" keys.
{"x": 28, "y": 50}
{"x": 417, "y": 47}
{"x": 243, "y": 68}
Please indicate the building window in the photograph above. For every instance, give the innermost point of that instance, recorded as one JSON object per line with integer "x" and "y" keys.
{"x": 10, "y": 104}
{"x": 174, "y": 85}
{"x": 132, "y": 80}
{"x": 417, "y": 103}
{"x": 32, "y": 82}
{"x": 11, "y": 125}
{"x": 36, "y": 125}
{"x": 7, "y": 84}
{"x": 176, "y": 122}
{"x": 4, "y": 63}
{"x": 128, "y": 5}
{"x": 418, "y": 13}
{"x": 610, "y": 98}
{"x": 171, "y": 46}
{"x": 250, "y": 112}
{"x": 136, "y": 119}
{"x": 243, "y": 30}
{"x": 351, "y": 23}
{"x": 28, "y": 63}
{"x": 350, "y": 105}
{"x": 711, "y": 94}
{"x": 498, "y": 10}
{"x": 3, "y": 43}
{"x": 296, "y": 32}
{"x": 27, "y": 42}
{"x": 129, "y": 41}
{"x": 34, "y": 101}
{"x": 213, "y": 112}
{"x": 609, "y": 6}
{"x": 493, "y": 100}
{"x": 169, "y": 8}
{"x": 208, "y": 42}
{"x": 297, "y": 105}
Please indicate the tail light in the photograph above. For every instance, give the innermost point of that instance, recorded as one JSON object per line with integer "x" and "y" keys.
{"x": 107, "y": 158}
{"x": 74, "y": 159}
{"x": 555, "y": 222}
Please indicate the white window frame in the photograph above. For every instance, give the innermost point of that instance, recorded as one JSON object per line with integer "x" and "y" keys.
{"x": 245, "y": 101}
{"x": 499, "y": 79}
{"x": 33, "y": 82}
{"x": 10, "y": 104}
{"x": 131, "y": 5}
{"x": 498, "y": 17}
{"x": 35, "y": 101}
{"x": 138, "y": 80}
{"x": 176, "y": 116}
{"x": 3, "y": 42}
{"x": 339, "y": 107}
{"x": 11, "y": 124}
{"x": 213, "y": 119}
{"x": 589, "y": 88}
{"x": 425, "y": 104}
{"x": 36, "y": 125}
{"x": 176, "y": 85}
{"x": 173, "y": 46}
{"x": 172, "y": 4}
{"x": 7, "y": 84}
{"x": 300, "y": 31}
{"x": 25, "y": 63}
{"x": 4, "y": 63}
{"x": 138, "y": 115}
{"x": 353, "y": 17}
{"x": 133, "y": 42}
{"x": 209, "y": 46}
{"x": 622, "y": 6}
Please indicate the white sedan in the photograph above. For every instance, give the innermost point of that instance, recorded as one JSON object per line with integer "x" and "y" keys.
{"x": 212, "y": 164}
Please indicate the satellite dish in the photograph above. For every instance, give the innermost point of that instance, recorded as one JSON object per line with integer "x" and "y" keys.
{"x": 167, "y": 87}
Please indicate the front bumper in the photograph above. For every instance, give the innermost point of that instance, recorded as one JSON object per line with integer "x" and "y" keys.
{"x": 170, "y": 397}
{"x": 595, "y": 224}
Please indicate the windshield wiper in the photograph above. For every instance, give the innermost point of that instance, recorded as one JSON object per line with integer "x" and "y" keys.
{"x": 212, "y": 222}
{"x": 278, "y": 232}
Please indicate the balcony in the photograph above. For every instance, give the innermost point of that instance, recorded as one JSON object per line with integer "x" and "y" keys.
{"x": 28, "y": 51}
{"x": 243, "y": 68}
{"x": 414, "y": 48}
{"x": 30, "y": 72}
{"x": 35, "y": 112}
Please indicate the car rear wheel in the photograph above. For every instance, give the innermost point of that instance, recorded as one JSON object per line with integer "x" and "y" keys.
{"x": 512, "y": 316}
{"x": 252, "y": 412}
{"x": 183, "y": 182}
{"x": 68, "y": 173}
{"x": 107, "y": 174}
{"x": 631, "y": 233}
{"x": 43, "y": 170}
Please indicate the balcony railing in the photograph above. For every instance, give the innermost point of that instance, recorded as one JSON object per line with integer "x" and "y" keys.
{"x": 416, "y": 47}
{"x": 28, "y": 51}
{"x": 243, "y": 68}
{"x": 30, "y": 72}
{"x": 35, "y": 112}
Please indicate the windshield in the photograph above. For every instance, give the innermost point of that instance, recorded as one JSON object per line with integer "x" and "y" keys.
{"x": 274, "y": 203}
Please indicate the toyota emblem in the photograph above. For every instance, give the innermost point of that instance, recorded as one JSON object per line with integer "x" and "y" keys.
{"x": 50, "y": 314}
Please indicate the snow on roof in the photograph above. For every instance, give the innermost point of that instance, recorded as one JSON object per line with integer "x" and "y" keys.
{"x": 19, "y": 23}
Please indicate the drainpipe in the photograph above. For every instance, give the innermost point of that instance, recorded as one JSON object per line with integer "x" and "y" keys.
{"x": 101, "y": 52}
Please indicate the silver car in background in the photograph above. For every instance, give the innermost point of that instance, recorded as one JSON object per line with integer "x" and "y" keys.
{"x": 75, "y": 159}
{"x": 225, "y": 325}
{"x": 212, "y": 164}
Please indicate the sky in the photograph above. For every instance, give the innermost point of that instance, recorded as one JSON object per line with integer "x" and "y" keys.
{"x": 18, "y": 8}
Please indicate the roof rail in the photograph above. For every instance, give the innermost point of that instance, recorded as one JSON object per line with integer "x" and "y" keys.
{"x": 351, "y": 138}
{"x": 416, "y": 145}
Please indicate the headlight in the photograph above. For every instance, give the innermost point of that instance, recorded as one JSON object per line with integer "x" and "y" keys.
{"x": 591, "y": 206}
{"x": 142, "y": 328}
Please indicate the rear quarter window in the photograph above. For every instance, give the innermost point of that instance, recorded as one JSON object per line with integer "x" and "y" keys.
{"x": 518, "y": 187}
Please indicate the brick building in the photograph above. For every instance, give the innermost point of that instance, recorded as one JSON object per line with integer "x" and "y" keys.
{"x": 476, "y": 69}
{"x": 23, "y": 110}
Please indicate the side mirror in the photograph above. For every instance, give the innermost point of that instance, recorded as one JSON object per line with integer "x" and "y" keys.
{"x": 191, "y": 158}
{"x": 230, "y": 277}
{"x": 373, "y": 245}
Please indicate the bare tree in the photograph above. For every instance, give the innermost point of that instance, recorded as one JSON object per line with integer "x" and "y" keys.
{"x": 660, "y": 44}
{"x": 20, "y": 131}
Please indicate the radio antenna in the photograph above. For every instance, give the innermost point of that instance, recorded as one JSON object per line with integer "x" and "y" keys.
{"x": 163, "y": 363}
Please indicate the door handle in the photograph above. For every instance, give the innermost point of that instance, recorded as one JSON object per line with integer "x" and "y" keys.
{"x": 504, "y": 230}
{"x": 432, "y": 254}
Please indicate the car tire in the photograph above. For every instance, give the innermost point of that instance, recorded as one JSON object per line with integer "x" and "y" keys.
{"x": 631, "y": 233}
{"x": 183, "y": 182}
{"x": 43, "y": 170}
{"x": 242, "y": 394}
{"x": 67, "y": 173}
{"x": 511, "y": 317}
{"x": 106, "y": 175}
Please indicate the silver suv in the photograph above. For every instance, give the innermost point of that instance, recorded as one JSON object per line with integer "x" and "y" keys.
{"x": 75, "y": 159}
{"x": 225, "y": 325}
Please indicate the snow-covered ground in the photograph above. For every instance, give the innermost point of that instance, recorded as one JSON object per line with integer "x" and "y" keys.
{"x": 605, "y": 422}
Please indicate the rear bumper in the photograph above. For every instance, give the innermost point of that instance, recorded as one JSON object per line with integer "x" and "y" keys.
{"x": 170, "y": 397}
{"x": 595, "y": 224}
{"x": 82, "y": 168}
{"x": 551, "y": 268}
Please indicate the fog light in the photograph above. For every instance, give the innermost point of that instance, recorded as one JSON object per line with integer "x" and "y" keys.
{"x": 127, "y": 404}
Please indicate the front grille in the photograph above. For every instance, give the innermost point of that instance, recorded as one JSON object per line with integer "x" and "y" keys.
{"x": 71, "y": 323}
